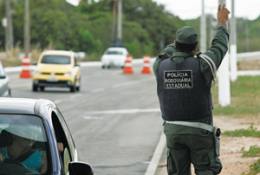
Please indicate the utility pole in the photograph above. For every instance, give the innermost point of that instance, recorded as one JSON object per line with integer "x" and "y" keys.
{"x": 114, "y": 21}
{"x": 27, "y": 38}
{"x": 119, "y": 22}
{"x": 233, "y": 46}
{"x": 224, "y": 96}
{"x": 203, "y": 28}
{"x": 9, "y": 40}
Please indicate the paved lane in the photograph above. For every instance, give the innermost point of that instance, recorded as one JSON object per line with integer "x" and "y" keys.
{"x": 114, "y": 120}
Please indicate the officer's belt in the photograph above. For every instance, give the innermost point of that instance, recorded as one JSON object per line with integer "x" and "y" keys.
{"x": 199, "y": 125}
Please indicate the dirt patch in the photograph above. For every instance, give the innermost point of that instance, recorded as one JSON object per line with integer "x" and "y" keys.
{"x": 231, "y": 147}
{"x": 231, "y": 123}
{"x": 249, "y": 65}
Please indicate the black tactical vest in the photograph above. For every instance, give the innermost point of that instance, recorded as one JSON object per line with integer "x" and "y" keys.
{"x": 183, "y": 92}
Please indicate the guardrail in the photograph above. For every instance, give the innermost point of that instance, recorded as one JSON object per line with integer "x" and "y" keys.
{"x": 248, "y": 56}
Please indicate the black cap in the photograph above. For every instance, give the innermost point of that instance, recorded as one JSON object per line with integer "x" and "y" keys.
{"x": 186, "y": 35}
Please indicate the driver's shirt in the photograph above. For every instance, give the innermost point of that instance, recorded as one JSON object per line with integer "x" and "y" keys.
{"x": 33, "y": 162}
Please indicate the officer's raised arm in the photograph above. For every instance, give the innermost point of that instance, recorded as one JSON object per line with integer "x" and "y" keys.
{"x": 212, "y": 58}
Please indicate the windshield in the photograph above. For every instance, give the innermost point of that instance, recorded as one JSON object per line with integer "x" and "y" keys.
{"x": 55, "y": 59}
{"x": 22, "y": 145}
{"x": 113, "y": 52}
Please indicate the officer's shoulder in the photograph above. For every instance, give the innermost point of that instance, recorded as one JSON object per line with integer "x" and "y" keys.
{"x": 167, "y": 52}
{"x": 198, "y": 55}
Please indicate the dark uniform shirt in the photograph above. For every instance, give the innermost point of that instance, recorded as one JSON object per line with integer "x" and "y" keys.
{"x": 216, "y": 52}
{"x": 209, "y": 61}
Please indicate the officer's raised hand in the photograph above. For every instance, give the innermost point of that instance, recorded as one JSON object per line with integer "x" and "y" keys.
{"x": 223, "y": 13}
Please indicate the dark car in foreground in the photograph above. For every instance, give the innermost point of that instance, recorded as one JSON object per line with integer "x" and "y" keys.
{"x": 35, "y": 139}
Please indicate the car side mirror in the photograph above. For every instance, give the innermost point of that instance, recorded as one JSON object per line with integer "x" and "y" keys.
{"x": 79, "y": 168}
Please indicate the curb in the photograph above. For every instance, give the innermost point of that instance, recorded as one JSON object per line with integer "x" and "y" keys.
{"x": 151, "y": 170}
{"x": 248, "y": 73}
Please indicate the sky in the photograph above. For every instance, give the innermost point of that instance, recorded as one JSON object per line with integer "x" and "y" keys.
{"x": 187, "y": 9}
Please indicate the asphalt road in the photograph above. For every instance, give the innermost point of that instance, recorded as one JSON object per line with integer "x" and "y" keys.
{"x": 114, "y": 119}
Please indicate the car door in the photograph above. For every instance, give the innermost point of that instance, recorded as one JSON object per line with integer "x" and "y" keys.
{"x": 64, "y": 139}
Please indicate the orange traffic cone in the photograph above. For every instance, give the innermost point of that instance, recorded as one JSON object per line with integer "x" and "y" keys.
{"x": 128, "y": 69}
{"x": 146, "y": 66}
{"x": 25, "y": 73}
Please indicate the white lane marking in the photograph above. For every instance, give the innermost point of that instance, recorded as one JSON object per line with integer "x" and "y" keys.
{"x": 75, "y": 96}
{"x": 92, "y": 118}
{"x": 126, "y": 84}
{"x": 125, "y": 111}
{"x": 98, "y": 90}
{"x": 18, "y": 86}
{"x": 130, "y": 83}
{"x": 146, "y": 162}
{"x": 156, "y": 156}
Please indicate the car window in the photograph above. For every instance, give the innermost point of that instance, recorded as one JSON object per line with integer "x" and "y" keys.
{"x": 56, "y": 59}
{"x": 23, "y": 145}
{"x": 63, "y": 142}
{"x": 113, "y": 52}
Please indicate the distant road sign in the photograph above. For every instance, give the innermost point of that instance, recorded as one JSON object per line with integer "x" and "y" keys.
{"x": 73, "y": 2}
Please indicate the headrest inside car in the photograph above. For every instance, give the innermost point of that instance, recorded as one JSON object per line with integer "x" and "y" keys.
{"x": 6, "y": 138}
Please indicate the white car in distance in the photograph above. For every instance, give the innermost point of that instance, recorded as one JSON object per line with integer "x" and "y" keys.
{"x": 114, "y": 57}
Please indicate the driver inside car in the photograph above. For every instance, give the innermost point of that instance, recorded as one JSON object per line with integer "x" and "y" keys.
{"x": 21, "y": 149}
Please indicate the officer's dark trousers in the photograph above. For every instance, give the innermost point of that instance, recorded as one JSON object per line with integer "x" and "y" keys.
{"x": 188, "y": 145}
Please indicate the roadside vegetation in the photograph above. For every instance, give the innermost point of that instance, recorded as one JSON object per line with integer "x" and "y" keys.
{"x": 254, "y": 168}
{"x": 250, "y": 132}
{"x": 89, "y": 27}
{"x": 245, "y": 101}
{"x": 147, "y": 27}
{"x": 254, "y": 151}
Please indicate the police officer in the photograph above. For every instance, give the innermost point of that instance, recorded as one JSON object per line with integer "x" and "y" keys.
{"x": 184, "y": 81}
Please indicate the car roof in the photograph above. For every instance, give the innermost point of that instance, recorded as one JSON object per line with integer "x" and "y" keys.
{"x": 25, "y": 106}
{"x": 58, "y": 52}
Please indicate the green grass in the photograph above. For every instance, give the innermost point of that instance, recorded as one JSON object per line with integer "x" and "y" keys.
{"x": 254, "y": 151}
{"x": 254, "y": 168}
{"x": 245, "y": 98}
{"x": 250, "y": 132}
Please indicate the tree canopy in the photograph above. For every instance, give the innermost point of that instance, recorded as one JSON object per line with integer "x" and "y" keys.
{"x": 147, "y": 26}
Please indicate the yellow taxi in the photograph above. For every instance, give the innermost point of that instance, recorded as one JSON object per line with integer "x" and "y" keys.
{"x": 56, "y": 68}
